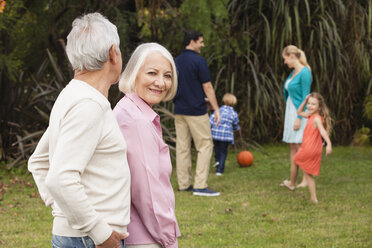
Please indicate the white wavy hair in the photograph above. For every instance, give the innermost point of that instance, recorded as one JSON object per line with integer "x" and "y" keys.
{"x": 128, "y": 78}
{"x": 90, "y": 40}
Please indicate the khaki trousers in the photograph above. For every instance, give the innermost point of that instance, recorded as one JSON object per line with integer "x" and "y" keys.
{"x": 197, "y": 128}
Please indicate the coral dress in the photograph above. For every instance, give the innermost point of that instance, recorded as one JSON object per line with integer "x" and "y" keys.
{"x": 310, "y": 153}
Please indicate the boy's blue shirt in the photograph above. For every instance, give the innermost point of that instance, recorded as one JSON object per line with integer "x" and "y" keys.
{"x": 229, "y": 123}
{"x": 299, "y": 87}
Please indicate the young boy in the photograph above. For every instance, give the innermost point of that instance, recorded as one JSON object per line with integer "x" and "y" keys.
{"x": 223, "y": 134}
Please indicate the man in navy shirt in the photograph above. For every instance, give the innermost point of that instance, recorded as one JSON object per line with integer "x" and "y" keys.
{"x": 191, "y": 118}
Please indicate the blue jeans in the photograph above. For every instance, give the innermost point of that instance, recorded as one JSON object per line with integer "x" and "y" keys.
{"x": 220, "y": 154}
{"x": 75, "y": 242}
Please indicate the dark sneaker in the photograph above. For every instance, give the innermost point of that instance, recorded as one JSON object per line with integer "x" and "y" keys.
{"x": 205, "y": 192}
{"x": 190, "y": 188}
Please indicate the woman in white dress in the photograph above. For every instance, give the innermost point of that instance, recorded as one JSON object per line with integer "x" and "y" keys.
{"x": 296, "y": 88}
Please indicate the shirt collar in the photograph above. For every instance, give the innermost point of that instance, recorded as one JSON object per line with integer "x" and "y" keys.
{"x": 189, "y": 50}
{"x": 143, "y": 106}
{"x": 92, "y": 90}
{"x": 227, "y": 106}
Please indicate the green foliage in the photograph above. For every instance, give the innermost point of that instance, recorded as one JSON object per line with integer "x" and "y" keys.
{"x": 31, "y": 74}
{"x": 204, "y": 16}
{"x": 362, "y": 137}
{"x": 368, "y": 107}
{"x": 244, "y": 42}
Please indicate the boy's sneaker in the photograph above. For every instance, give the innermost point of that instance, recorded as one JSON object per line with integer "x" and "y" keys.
{"x": 216, "y": 164}
{"x": 205, "y": 192}
{"x": 218, "y": 174}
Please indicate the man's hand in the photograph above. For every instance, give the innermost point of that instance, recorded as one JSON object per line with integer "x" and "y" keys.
{"x": 217, "y": 117}
{"x": 209, "y": 105}
{"x": 297, "y": 124}
{"x": 114, "y": 240}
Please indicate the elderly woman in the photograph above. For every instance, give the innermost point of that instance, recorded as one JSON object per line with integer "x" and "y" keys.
{"x": 296, "y": 88}
{"x": 149, "y": 78}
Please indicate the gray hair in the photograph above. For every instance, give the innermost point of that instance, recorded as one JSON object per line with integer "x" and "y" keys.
{"x": 128, "y": 78}
{"x": 90, "y": 40}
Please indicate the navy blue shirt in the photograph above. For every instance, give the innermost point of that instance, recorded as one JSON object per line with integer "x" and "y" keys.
{"x": 192, "y": 73}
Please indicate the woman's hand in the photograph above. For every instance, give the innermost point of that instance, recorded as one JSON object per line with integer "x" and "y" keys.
{"x": 297, "y": 124}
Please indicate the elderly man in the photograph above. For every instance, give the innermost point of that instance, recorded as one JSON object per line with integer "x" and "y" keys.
{"x": 80, "y": 164}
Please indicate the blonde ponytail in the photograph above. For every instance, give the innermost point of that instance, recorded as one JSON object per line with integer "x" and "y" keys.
{"x": 303, "y": 59}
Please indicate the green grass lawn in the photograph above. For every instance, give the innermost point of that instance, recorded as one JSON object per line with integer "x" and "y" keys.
{"x": 252, "y": 211}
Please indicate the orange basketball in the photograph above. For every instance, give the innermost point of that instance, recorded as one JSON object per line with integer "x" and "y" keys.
{"x": 245, "y": 158}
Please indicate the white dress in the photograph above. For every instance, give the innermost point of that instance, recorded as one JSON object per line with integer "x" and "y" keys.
{"x": 290, "y": 135}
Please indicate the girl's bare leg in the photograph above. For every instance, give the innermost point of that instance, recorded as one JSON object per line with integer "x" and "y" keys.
{"x": 303, "y": 183}
{"x": 293, "y": 150}
{"x": 311, "y": 182}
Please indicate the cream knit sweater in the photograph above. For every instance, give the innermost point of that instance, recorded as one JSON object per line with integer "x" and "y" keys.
{"x": 80, "y": 166}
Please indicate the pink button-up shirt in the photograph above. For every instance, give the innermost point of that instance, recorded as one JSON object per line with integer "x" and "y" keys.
{"x": 152, "y": 217}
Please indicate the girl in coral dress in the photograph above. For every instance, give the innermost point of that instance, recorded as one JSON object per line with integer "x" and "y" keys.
{"x": 309, "y": 155}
